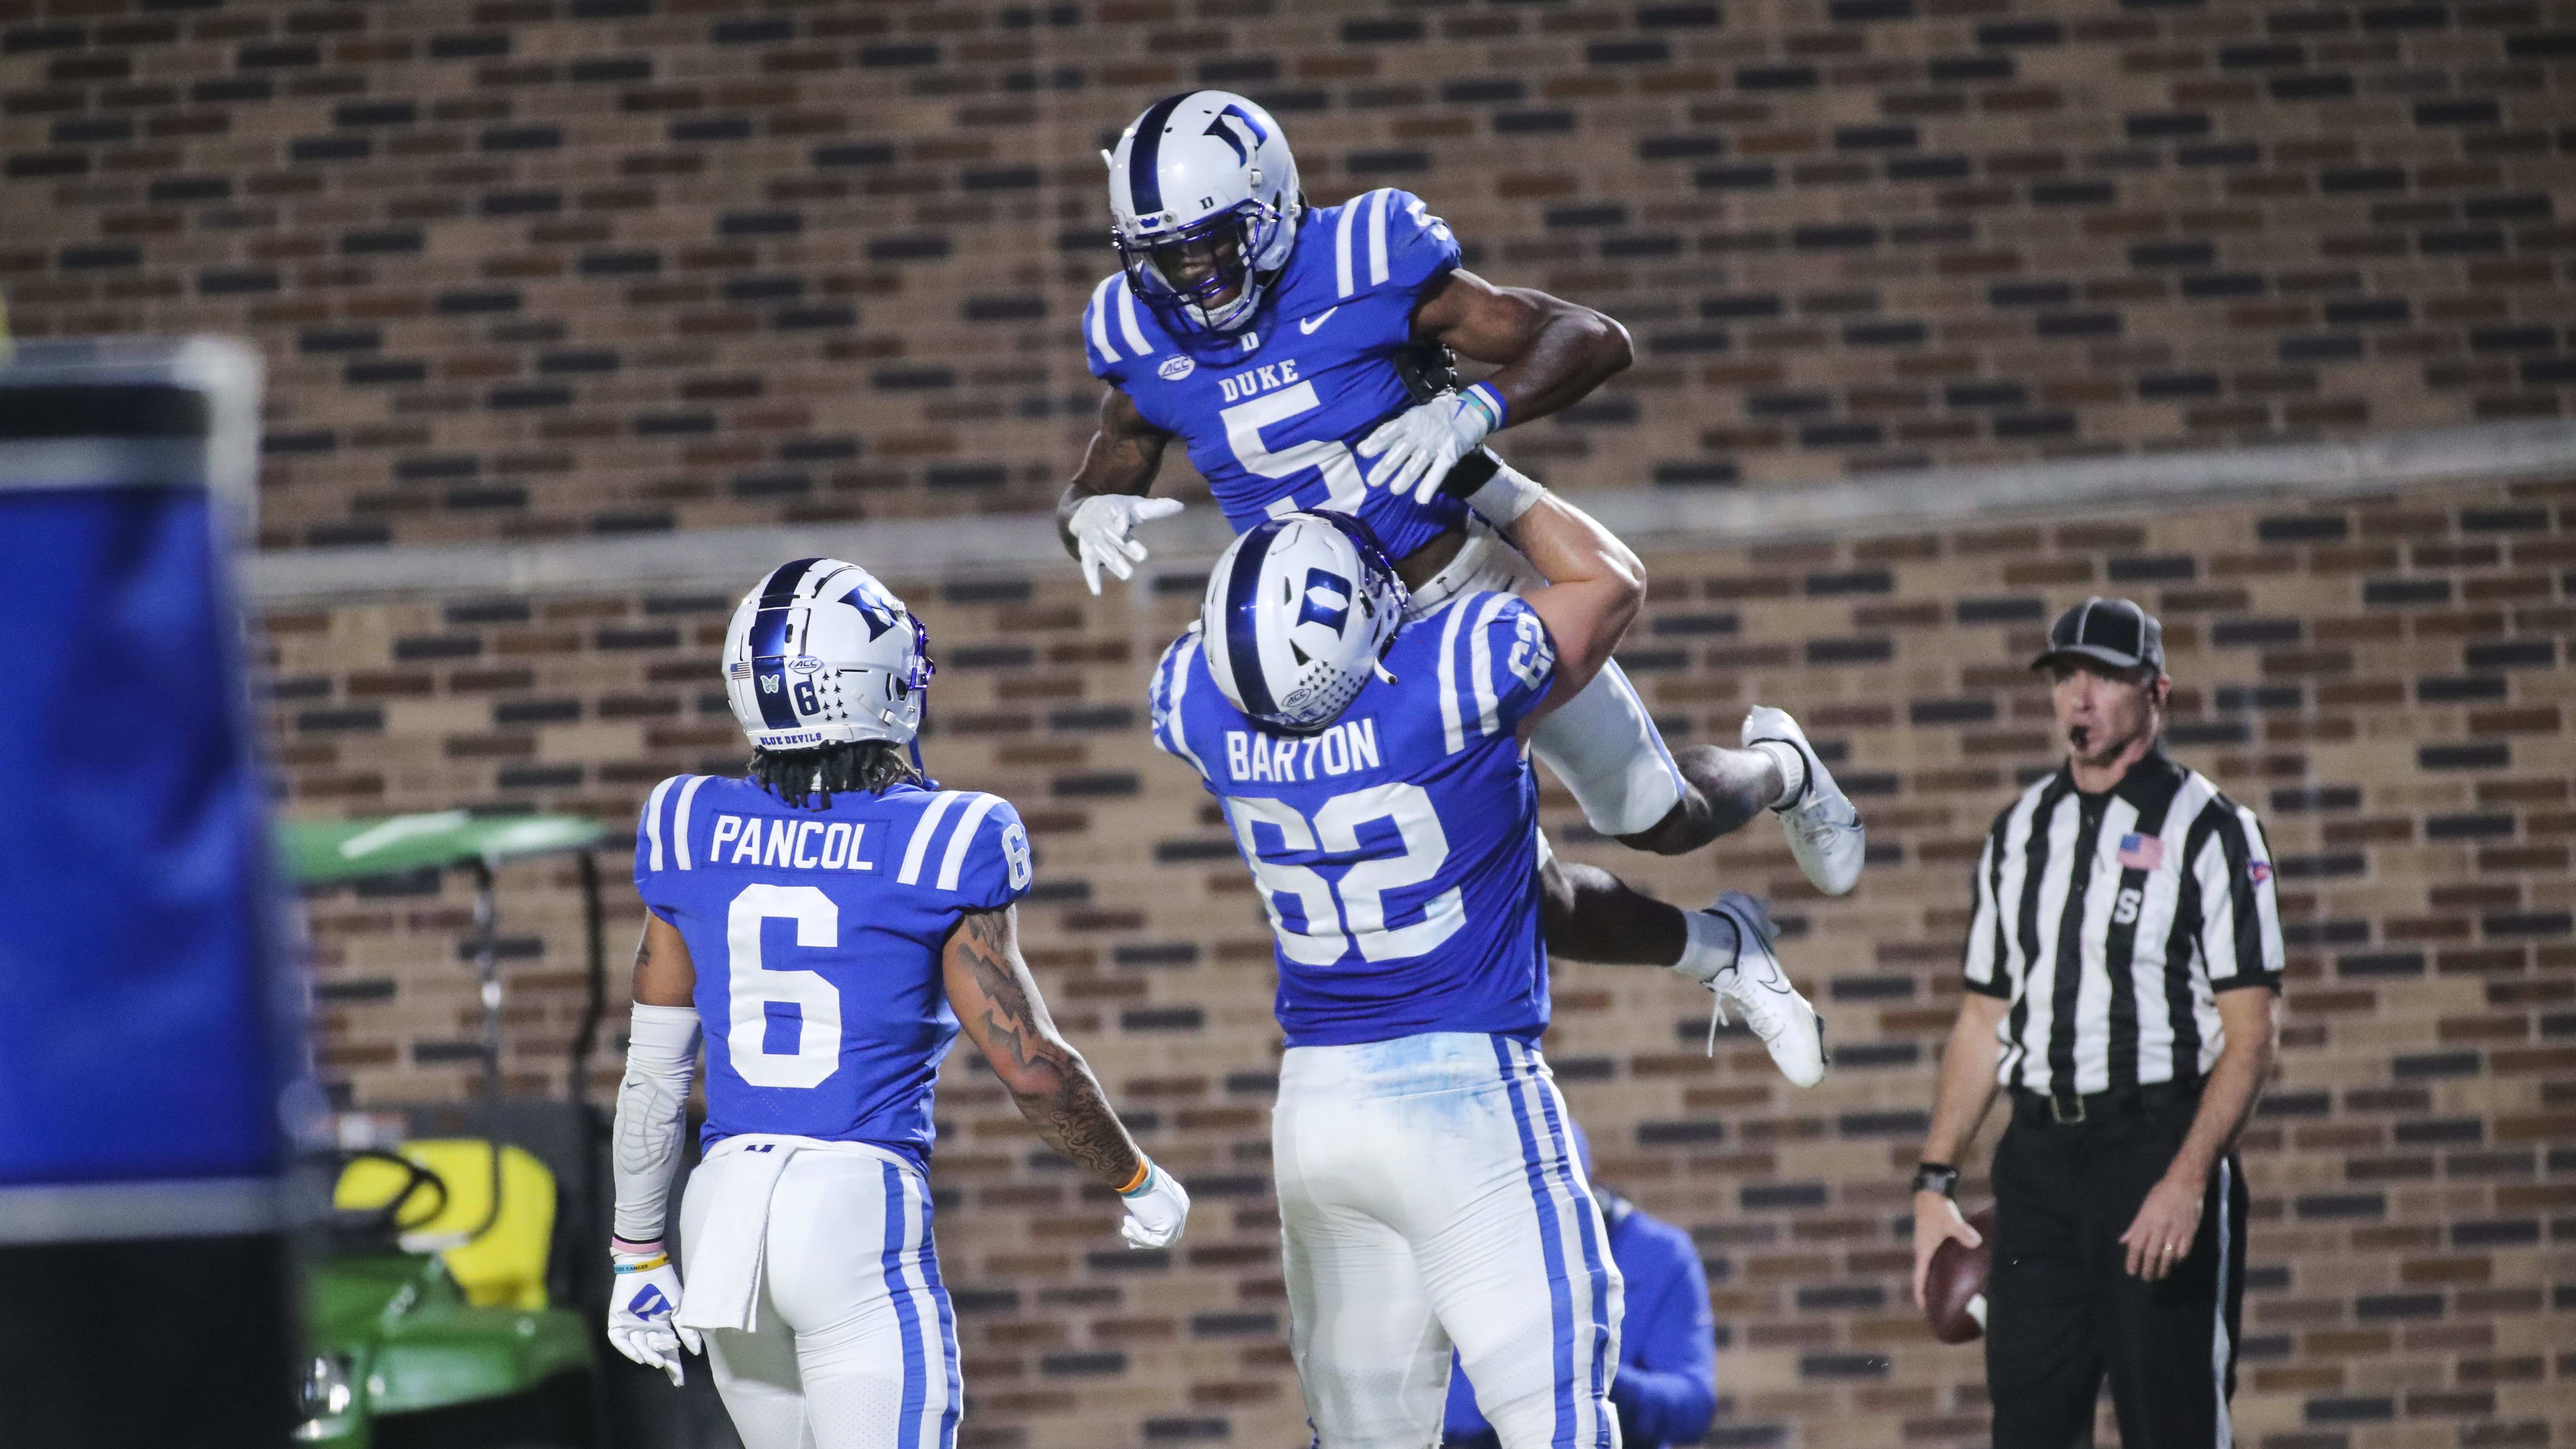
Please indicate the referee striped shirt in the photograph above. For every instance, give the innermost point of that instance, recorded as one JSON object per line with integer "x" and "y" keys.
{"x": 2111, "y": 921}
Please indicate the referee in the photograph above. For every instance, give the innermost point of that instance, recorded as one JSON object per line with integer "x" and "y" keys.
{"x": 2123, "y": 966}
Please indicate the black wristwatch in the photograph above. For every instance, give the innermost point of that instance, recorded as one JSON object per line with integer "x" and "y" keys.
{"x": 1938, "y": 1177}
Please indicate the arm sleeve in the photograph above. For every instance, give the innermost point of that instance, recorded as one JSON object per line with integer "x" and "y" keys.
{"x": 2240, "y": 928}
{"x": 1496, "y": 663}
{"x": 1985, "y": 965}
{"x": 1666, "y": 1389}
{"x": 996, "y": 864}
{"x": 652, "y": 1107}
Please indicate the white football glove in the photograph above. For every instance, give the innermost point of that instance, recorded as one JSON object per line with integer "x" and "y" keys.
{"x": 1155, "y": 1211}
{"x": 1421, "y": 444}
{"x": 642, "y": 1297}
{"x": 1101, "y": 526}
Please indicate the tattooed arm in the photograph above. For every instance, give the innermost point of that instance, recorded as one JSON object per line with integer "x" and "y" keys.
{"x": 997, "y": 1003}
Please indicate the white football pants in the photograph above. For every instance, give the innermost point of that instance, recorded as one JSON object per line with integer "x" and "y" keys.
{"x": 856, "y": 1347}
{"x": 1429, "y": 1197}
{"x": 1601, "y": 744}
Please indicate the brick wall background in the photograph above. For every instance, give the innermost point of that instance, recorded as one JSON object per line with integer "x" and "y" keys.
{"x": 2385, "y": 681}
{"x": 535, "y": 269}
{"x": 546, "y": 267}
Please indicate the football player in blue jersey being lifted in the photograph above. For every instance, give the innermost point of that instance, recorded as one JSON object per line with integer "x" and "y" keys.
{"x": 1304, "y": 357}
{"x": 1374, "y": 771}
{"x": 829, "y": 924}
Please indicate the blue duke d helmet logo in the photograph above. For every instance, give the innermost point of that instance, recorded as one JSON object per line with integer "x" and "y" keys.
{"x": 1328, "y": 600}
{"x": 1298, "y": 612}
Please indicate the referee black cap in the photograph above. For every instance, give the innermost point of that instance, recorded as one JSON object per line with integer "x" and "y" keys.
{"x": 2114, "y": 631}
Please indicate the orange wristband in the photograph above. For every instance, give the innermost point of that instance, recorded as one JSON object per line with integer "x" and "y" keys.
{"x": 1144, "y": 1169}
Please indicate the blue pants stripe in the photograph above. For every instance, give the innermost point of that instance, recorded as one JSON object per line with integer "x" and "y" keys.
{"x": 947, "y": 1331}
{"x": 916, "y": 1384}
{"x": 1560, "y": 1297}
{"x": 1580, "y": 1198}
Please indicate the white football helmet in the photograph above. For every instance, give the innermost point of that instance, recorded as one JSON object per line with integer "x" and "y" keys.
{"x": 1297, "y": 614}
{"x": 821, "y": 654}
{"x": 1203, "y": 201}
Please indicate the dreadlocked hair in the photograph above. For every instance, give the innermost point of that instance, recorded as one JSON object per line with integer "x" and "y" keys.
{"x": 797, "y": 776}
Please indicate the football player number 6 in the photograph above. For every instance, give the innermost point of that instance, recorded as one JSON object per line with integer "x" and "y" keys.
{"x": 1354, "y": 914}
{"x": 753, "y": 986}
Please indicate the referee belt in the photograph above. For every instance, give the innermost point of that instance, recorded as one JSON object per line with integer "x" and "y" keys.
{"x": 2068, "y": 1109}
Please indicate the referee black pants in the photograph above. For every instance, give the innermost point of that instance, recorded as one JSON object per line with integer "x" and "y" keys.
{"x": 2062, "y": 1309}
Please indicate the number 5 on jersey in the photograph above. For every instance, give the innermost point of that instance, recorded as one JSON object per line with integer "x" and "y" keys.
{"x": 1341, "y": 472}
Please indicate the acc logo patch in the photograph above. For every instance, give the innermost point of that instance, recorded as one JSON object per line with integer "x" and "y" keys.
{"x": 2260, "y": 871}
{"x": 1176, "y": 368}
{"x": 804, "y": 663}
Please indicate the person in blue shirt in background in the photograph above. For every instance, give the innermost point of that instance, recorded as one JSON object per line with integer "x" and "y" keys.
{"x": 1666, "y": 1388}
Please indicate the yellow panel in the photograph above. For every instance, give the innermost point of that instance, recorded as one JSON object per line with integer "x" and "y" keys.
{"x": 504, "y": 1266}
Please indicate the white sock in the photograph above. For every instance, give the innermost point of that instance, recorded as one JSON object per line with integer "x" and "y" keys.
{"x": 1708, "y": 945}
{"x": 1793, "y": 770}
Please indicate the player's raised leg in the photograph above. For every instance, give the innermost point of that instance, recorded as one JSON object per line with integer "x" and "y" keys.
{"x": 1608, "y": 752}
{"x": 1588, "y": 914}
{"x": 1605, "y": 748}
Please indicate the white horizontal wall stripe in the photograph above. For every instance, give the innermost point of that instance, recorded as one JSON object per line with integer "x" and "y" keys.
{"x": 115, "y": 1211}
{"x": 1648, "y": 518}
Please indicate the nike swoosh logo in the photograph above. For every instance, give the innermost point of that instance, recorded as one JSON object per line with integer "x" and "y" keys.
{"x": 1308, "y": 325}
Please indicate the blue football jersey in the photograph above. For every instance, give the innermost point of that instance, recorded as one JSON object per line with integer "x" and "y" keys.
{"x": 1270, "y": 413}
{"x": 817, "y": 936}
{"x": 1396, "y": 851}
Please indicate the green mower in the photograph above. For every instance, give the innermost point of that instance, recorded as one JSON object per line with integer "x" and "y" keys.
{"x": 428, "y": 1307}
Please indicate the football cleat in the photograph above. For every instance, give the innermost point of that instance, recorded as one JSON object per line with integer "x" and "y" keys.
{"x": 1824, "y": 831}
{"x": 1761, "y": 994}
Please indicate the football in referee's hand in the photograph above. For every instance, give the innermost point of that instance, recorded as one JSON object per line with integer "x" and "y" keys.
{"x": 1954, "y": 1287}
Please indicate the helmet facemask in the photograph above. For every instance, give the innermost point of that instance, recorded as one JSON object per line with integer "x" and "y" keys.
{"x": 1204, "y": 274}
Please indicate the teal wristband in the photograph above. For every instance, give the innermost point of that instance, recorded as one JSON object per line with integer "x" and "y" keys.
{"x": 1484, "y": 396}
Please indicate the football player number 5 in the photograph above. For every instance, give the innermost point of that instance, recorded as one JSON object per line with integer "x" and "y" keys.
{"x": 1243, "y": 424}
{"x": 753, "y": 986}
{"x": 1337, "y": 918}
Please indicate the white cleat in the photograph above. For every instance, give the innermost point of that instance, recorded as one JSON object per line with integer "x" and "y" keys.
{"x": 1761, "y": 994}
{"x": 1824, "y": 831}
